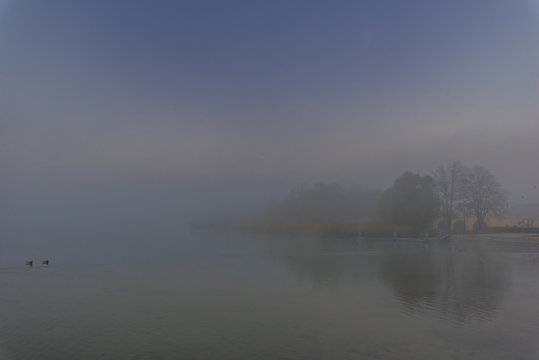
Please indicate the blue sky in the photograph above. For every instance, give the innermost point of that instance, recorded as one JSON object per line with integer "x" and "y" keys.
{"x": 261, "y": 96}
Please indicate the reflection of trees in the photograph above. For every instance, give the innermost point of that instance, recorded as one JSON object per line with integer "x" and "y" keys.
{"x": 414, "y": 278}
{"x": 319, "y": 268}
{"x": 475, "y": 284}
{"x": 311, "y": 260}
{"x": 456, "y": 281}
{"x": 326, "y": 261}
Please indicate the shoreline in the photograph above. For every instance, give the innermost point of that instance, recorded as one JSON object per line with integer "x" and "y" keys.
{"x": 382, "y": 232}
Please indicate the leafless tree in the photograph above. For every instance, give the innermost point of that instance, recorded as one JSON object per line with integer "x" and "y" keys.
{"x": 482, "y": 194}
{"x": 448, "y": 180}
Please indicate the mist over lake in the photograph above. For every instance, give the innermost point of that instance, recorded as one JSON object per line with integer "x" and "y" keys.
{"x": 218, "y": 296}
{"x": 269, "y": 179}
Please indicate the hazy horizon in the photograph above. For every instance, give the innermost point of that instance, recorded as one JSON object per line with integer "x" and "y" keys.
{"x": 205, "y": 179}
{"x": 113, "y": 112}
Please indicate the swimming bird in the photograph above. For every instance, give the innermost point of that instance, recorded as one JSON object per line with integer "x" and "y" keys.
{"x": 45, "y": 262}
{"x": 30, "y": 263}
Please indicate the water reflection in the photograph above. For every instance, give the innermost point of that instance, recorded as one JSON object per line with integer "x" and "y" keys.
{"x": 414, "y": 278}
{"x": 458, "y": 280}
{"x": 244, "y": 298}
{"x": 319, "y": 260}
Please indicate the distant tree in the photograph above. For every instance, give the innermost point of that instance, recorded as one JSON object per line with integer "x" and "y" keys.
{"x": 411, "y": 201}
{"x": 326, "y": 202}
{"x": 482, "y": 194}
{"x": 448, "y": 180}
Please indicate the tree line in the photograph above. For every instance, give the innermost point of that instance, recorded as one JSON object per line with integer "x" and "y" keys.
{"x": 413, "y": 201}
{"x": 452, "y": 190}
{"x": 324, "y": 203}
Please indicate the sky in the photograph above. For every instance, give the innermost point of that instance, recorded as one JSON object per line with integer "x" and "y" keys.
{"x": 155, "y": 109}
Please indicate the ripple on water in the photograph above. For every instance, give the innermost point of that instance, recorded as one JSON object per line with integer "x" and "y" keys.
{"x": 360, "y": 303}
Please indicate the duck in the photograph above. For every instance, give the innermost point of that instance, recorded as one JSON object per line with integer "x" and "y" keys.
{"x": 45, "y": 262}
{"x": 30, "y": 263}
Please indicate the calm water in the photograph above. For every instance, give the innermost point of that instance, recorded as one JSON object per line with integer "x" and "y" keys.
{"x": 209, "y": 296}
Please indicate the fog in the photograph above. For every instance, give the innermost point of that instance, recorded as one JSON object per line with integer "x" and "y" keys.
{"x": 136, "y": 117}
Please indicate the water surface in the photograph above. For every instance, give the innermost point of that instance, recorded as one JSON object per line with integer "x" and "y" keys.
{"x": 222, "y": 296}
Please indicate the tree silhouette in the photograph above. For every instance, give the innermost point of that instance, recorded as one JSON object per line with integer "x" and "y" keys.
{"x": 482, "y": 195}
{"x": 411, "y": 201}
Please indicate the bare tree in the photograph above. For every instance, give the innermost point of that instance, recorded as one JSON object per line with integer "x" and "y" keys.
{"x": 448, "y": 180}
{"x": 482, "y": 194}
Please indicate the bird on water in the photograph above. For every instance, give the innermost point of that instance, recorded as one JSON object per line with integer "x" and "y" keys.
{"x": 30, "y": 263}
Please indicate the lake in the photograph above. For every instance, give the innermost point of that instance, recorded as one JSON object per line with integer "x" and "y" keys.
{"x": 225, "y": 296}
